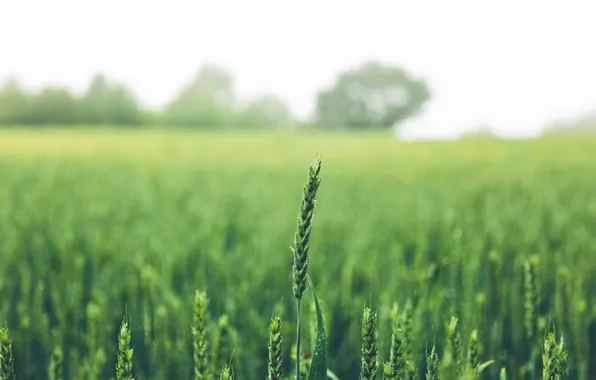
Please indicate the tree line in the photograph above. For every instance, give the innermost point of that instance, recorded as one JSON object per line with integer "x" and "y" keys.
{"x": 369, "y": 96}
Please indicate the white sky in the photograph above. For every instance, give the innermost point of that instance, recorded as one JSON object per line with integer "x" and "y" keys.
{"x": 514, "y": 64}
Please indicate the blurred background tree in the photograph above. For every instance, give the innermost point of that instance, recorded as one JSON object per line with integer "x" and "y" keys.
{"x": 106, "y": 103}
{"x": 207, "y": 101}
{"x": 266, "y": 111}
{"x": 54, "y": 105}
{"x": 14, "y": 103}
{"x": 479, "y": 132}
{"x": 370, "y": 96}
{"x": 583, "y": 124}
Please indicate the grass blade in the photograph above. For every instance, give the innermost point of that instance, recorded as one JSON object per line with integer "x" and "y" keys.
{"x": 318, "y": 367}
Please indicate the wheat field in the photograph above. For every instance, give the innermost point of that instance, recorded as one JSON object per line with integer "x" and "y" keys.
{"x": 99, "y": 225}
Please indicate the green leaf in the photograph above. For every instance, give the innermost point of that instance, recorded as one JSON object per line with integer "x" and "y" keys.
{"x": 318, "y": 366}
{"x": 483, "y": 366}
{"x": 331, "y": 375}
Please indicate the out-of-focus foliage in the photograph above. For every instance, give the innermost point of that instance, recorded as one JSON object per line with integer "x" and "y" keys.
{"x": 370, "y": 96}
{"x": 91, "y": 229}
{"x": 481, "y": 132}
{"x": 266, "y": 111}
{"x": 14, "y": 103}
{"x": 54, "y": 105}
{"x": 207, "y": 101}
{"x": 109, "y": 103}
{"x": 104, "y": 103}
{"x": 581, "y": 125}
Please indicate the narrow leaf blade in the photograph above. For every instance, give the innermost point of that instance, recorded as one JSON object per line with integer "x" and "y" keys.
{"x": 318, "y": 367}
{"x": 331, "y": 375}
{"x": 483, "y": 366}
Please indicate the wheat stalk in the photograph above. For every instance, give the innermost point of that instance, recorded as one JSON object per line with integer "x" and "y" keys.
{"x": 6, "y": 358}
{"x": 226, "y": 373}
{"x": 454, "y": 341}
{"x": 222, "y": 345}
{"x": 368, "y": 369}
{"x": 473, "y": 354}
{"x": 503, "y": 374}
{"x": 199, "y": 343}
{"x": 124, "y": 364}
{"x": 275, "y": 343}
{"x": 394, "y": 368}
{"x": 554, "y": 359}
{"x": 55, "y": 366}
{"x": 302, "y": 245}
{"x": 432, "y": 364}
{"x": 531, "y": 297}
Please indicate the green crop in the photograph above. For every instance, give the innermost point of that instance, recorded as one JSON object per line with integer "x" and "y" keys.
{"x": 110, "y": 243}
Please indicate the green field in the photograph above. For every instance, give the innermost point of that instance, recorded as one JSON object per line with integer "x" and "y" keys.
{"x": 96, "y": 224}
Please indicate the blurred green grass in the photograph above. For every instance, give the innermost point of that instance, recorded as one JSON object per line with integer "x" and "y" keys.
{"x": 284, "y": 147}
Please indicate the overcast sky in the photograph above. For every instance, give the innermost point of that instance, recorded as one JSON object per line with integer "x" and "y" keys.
{"x": 513, "y": 64}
